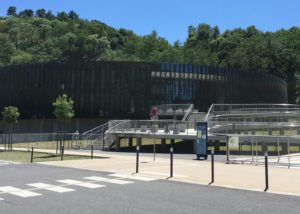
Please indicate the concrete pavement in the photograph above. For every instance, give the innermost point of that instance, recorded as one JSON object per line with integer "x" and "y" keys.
{"x": 240, "y": 176}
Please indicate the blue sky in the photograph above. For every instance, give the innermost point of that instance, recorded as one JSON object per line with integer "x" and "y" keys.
{"x": 171, "y": 18}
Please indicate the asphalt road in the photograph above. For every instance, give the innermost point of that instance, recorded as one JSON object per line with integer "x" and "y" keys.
{"x": 158, "y": 196}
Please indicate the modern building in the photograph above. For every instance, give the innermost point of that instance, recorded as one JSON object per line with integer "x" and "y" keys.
{"x": 128, "y": 89}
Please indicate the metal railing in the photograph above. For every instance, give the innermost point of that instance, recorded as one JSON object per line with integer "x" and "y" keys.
{"x": 245, "y": 109}
{"x": 190, "y": 109}
{"x": 173, "y": 109}
{"x": 116, "y": 124}
{"x": 253, "y": 128}
{"x": 236, "y": 118}
{"x": 96, "y": 131}
{"x": 150, "y": 126}
{"x": 96, "y": 135}
{"x": 45, "y": 140}
{"x": 283, "y": 151}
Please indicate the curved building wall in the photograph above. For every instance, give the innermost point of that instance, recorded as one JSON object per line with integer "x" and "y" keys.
{"x": 204, "y": 85}
{"x": 128, "y": 89}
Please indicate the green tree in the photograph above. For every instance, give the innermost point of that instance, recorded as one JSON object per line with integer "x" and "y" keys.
{"x": 73, "y": 15}
{"x": 63, "y": 111}
{"x": 26, "y": 13}
{"x": 62, "y": 16}
{"x": 63, "y": 108}
{"x": 6, "y": 49}
{"x": 49, "y": 15}
{"x": 12, "y": 11}
{"x": 41, "y": 13}
{"x": 10, "y": 115}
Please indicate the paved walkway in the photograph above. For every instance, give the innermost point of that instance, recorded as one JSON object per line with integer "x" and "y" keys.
{"x": 240, "y": 176}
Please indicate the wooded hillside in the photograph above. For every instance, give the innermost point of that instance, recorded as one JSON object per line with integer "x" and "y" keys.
{"x": 39, "y": 36}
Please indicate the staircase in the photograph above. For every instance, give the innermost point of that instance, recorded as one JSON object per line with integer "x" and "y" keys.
{"x": 110, "y": 139}
{"x": 96, "y": 136}
{"x": 196, "y": 116}
{"x": 100, "y": 136}
{"x": 188, "y": 112}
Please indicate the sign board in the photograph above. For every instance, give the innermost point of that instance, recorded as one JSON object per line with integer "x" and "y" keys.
{"x": 201, "y": 142}
{"x": 233, "y": 142}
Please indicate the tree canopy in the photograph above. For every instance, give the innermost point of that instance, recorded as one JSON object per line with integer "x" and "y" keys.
{"x": 10, "y": 114}
{"x": 63, "y": 107}
{"x": 40, "y": 36}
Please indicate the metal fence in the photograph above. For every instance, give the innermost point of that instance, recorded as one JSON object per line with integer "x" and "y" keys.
{"x": 168, "y": 109}
{"x": 217, "y": 109}
{"x": 283, "y": 151}
{"x": 254, "y": 119}
{"x": 248, "y": 112}
{"x": 152, "y": 126}
{"x": 47, "y": 140}
{"x": 255, "y": 128}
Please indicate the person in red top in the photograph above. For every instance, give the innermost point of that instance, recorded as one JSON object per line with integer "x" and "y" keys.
{"x": 154, "y": 113}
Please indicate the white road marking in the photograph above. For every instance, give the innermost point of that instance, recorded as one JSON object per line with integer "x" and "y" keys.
{"x": 164, "y": 174}
{"x": 50, "y": 187}
{"x": 81, "y": 183}
{"x": 3, "y": 163}
{"x": 1, "y": 199}
{"x": 114, "y": 181}
{"x": 18, "y": 192}
{"x": 134, "y": 177}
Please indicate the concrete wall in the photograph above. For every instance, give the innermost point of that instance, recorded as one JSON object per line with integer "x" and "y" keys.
{"x": 52, "y": 125}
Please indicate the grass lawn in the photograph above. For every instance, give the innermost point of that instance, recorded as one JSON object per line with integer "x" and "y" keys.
{"x": 24, "y": 156}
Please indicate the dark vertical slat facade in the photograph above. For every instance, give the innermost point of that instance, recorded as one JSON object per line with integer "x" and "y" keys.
{"x": 128, "y": 89}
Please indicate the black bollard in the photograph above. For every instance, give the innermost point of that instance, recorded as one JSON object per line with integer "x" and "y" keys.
{"x": 92, "y": 151}
{"x": 31, "y": 159}
{"x": 60, "y": 142}
{"x": 103, "y": 146}
{"x": 266, "y": 171}
{"x": 212, "y": 166}
{"x": 227, "y": 149}
{"x": 171, "y": 162}
{"x": 137, "y": 159}
{"x": 56, "y": 142}
{"x": 62, "y": 153}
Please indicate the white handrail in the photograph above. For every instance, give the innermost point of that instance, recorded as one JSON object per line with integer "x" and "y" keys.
{"x": 190, "y": 109}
